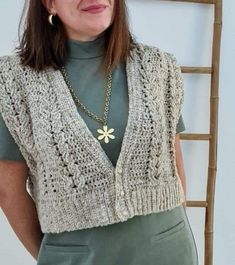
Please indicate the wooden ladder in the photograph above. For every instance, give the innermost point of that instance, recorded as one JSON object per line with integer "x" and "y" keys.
{"x": 213, "y": 70}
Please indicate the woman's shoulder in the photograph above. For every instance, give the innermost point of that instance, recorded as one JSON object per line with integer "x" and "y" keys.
{"x": 155, "y": 55}
{"x": 12, "y": 70}
{"x": 13, "y": 77}
{"x": 149, "y": 51}
{"x": 9, "y": 64}
{"x": 9, "y": 59}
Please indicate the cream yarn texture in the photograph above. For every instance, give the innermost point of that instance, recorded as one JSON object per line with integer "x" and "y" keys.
{"x": 71, "y": 180}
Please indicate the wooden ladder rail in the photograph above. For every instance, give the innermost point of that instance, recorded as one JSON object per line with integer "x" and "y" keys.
{"x": 212, "y": 136}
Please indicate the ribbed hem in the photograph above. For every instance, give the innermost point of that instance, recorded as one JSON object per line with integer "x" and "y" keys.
{"x": 155, "y": 199}
{"x": 97, "y": 208}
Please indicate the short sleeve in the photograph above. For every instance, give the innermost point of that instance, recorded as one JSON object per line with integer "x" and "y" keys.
{"x": 8, "y": 148}
{"x": 180, "y": 125}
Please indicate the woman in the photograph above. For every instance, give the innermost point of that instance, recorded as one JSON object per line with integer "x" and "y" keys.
{"x": 104, "y": 183}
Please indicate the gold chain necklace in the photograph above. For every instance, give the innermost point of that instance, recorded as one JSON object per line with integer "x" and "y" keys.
{"x": 104, "y": 132}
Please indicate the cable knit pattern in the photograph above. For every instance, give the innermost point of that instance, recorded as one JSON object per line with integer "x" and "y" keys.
{"x": 71, "y": 180}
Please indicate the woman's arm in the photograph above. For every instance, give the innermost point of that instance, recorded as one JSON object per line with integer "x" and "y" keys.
{"x": 18, "y": 206}
{"x": 180, "y": 162}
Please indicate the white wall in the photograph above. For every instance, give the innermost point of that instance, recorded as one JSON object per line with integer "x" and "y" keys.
{"x": 184, "y": 29}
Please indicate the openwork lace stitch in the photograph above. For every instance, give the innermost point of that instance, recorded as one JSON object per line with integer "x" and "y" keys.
{"x": 71, "y": 180}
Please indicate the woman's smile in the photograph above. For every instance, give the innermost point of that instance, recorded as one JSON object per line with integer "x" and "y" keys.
{"x": 94, "y": 9}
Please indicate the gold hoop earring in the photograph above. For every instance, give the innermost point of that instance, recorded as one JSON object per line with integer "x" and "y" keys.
{"x": 50, "y": 19}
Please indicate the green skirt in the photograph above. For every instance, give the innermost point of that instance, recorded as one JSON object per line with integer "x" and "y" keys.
{"x": 163, "y": 238}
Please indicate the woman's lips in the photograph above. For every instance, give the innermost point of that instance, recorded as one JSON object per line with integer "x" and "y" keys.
{"x": 94, "y": 9}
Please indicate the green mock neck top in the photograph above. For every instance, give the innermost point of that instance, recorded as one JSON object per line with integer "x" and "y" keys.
{"x": 83, "y": 61}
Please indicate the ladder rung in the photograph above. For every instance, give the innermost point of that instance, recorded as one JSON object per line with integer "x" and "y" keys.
{"x": 196, "y": 70}
{"x": 196, "y": 203}
{"x": 194, "y": 136}
{"x": 195, "y": 1}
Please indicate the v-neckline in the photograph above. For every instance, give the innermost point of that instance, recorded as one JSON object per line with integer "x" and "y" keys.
{"x": 75, "y": 120}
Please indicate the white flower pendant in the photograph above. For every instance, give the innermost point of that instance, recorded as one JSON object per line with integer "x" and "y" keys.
{"x": 105, "y": 133}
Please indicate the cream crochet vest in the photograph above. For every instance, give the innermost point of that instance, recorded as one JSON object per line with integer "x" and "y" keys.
{"x": 71, "y": 179}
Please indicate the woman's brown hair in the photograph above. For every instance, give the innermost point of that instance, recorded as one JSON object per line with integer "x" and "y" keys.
{"x": 43, "y": 45}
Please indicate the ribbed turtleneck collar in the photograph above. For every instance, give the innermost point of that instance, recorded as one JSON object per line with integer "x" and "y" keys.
{"x": 86, "y": 49}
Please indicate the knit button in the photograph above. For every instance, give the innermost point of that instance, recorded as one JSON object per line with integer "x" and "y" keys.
{"x": 122, "y": 193}
{"x": 120, "y": 204}
{"x": 121, "y": 209}
{"x": 125, "y": 213}
{"x": 119, "y": 171}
